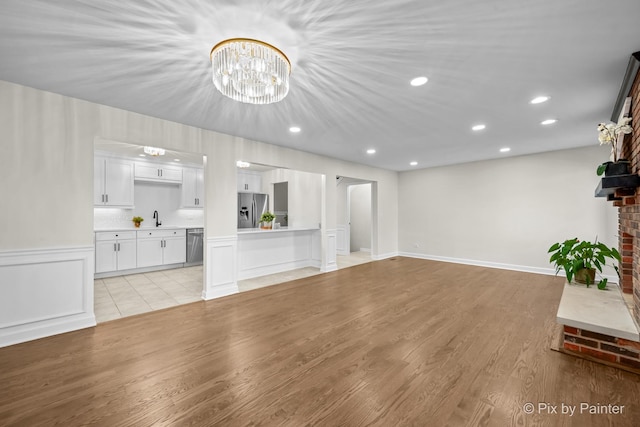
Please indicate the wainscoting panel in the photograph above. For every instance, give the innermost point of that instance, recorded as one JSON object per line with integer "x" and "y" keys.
{"x": 221, "y": 267}
{"x": 273, "y": 252}
{"x": 330, "y": 252}
{"x": 45, "y": 292}
{"x": 341, "y": 240}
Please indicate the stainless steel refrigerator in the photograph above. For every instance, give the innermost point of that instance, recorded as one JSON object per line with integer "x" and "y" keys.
{"x": 251, "y": 206}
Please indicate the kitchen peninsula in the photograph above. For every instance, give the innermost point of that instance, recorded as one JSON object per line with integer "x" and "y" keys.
{"x": 262, "y": 252}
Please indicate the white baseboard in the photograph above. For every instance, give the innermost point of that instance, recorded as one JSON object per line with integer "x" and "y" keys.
{"x": 384, "y": 256}
{"x": 498, "y": 265}
{"x": 45, "y": 292}
{"x": 365, "y": 249}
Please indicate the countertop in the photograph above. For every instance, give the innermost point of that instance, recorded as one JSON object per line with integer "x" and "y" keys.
{"x": 147, "y": 228}
{"x": 274, "y": 230}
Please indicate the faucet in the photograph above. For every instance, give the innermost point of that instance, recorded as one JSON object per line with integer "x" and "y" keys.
{"x": 156, "y": 216}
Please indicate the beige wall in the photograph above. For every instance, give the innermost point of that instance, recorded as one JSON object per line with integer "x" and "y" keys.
{"x": 506, "y": 211}
{"x": 46, "y": 167}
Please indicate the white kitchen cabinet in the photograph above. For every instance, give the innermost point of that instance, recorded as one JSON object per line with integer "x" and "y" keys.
{"x": 115, "y": 251}
{"x": 192, "y": 188}
{"x": 249, "y": 182}
{"x": 158, "y": 173}
{"x": 161, "y": 247}
{"x": 112, "y": 182}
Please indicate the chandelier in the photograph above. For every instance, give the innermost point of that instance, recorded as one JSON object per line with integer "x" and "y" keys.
{"x": 250, "y": 71}
{"x": 154, "y": 151}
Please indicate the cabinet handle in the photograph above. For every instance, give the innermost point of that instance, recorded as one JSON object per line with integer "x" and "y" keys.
{"x": 103, "y": 198}
{"x": 118, "y": 247}
{"x": 107, "y": 198}
{"x": 114, "y": 248}
{"x": 246, "y": 186}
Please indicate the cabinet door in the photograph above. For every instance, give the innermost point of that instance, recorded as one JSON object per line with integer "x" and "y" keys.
{"x": 243, "y": 183}
{"x": 106, "y": 256}
{"x": 255, "y": 183}
{"x": 175, "y": 250}
{"x": 127, "y": 254}
{"x": 147, "y": 171}
{"x": 168, "y": 173}
{"x": 98, "y": 181}
{"x": 149, "y": 252}
{"x": 200, "y": 187}
{"x": 119, "y": 182}
{"x": 189, "y": 188}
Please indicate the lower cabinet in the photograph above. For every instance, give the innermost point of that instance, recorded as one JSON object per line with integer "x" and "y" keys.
{"x": 161, "y": 247}
{"x": 115, "y": 251}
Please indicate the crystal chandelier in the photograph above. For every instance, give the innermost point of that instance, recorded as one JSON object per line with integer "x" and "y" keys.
{"x": 250, "y": 71}
{"x": 154, "y": 151}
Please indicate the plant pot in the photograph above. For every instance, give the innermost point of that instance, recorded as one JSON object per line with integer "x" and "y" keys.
{"x": 582, "y": 274}
{"x": 621, "y": 167}
{"x": 137, "y": 224}
{"x": 265, "y": 225}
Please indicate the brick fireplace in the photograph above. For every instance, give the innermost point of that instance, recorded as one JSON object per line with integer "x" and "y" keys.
{"x": 612, "y": 345}
{"x": 629, "y": 209}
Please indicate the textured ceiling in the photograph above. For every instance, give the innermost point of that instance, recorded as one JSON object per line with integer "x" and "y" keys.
{"x": 352, "y": 62}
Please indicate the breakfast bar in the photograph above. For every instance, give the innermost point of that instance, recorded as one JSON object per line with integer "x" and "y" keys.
{"x": 262, "y": 252}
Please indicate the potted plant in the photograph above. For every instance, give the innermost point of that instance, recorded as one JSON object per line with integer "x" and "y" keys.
{"x": 580, "y": 260}
{"x": 608, "y": 134}
{"x": 265, "y": 220}
{"x": 137, "y": 220}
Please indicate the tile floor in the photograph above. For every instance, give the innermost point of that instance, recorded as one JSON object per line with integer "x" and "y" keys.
{"x": 123, "y": 296}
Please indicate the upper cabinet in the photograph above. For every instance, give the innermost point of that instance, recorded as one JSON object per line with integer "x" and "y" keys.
{"x": 158, "y": 173}
{"x": 192, "y": 188}
{"x": 112, "y": 182}
{"x": 249, "y": 182}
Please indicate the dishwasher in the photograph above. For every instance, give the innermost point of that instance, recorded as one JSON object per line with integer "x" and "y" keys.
{"x": 195, "y": 237}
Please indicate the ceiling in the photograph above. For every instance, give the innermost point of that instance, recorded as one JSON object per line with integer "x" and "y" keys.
{"x": 351, "y": 66}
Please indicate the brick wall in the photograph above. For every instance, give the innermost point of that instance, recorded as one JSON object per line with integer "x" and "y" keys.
{"x": 603, "y": 347}
{"x": 629, "y": 209}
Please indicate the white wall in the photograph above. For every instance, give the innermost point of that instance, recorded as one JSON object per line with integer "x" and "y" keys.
{"x": 507, "y": 211}
{"x": 360, "y": 209}
{"x": 46, "y": 189}
{"x": 305, "y": 195}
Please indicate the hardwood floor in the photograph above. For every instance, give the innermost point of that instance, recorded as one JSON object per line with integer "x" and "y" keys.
{"x": 389, "y": 343}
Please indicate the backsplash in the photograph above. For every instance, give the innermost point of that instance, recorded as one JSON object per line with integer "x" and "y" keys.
{"x": 150, "y": 197}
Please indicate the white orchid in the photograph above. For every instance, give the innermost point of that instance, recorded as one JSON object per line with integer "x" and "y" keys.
{"x": 608, "y": 134}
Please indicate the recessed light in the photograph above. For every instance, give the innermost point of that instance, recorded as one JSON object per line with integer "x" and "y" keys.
{"x": 294, "y": 129}
{"x": 413, "y": 163}
{"x": 548, "y": 122}
{"x": 478, "y": 127}
{"x": 371, "y": 151}
{"x": 242, "y": 164}
{"x": 419, "y": 81}
{"x": 539, "y": 100}
{"x": 142, "y": 155}
{"x": 505, "y": 150}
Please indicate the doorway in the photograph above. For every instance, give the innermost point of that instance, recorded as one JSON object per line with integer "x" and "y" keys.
{"x": 151, "y": 267}
{"x": 355, "y": 225}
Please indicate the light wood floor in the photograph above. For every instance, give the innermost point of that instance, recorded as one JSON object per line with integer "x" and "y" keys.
{"x": 389, "y": 343}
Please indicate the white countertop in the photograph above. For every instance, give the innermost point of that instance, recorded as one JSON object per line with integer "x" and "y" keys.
{"x": 144, "y": 228}
{"x": 597, "y": 311}
{"x": 274, "y": 230}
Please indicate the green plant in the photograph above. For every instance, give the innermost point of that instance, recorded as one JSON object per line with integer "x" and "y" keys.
{"x": 573, "y": 255}
{"x": 137, "y": 219}
{"x": 267, "y": 217}
{"x": 601, "y": 169}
